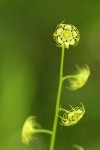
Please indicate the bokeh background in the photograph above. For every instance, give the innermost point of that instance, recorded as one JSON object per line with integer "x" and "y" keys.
{"x": 29, "y": 71}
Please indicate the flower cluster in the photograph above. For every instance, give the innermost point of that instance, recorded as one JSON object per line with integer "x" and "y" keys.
{"x": 72, "y": 117}
{"x": 66, "y": 35}
{"x": 79, "y": 79}
{"x": 29, "y": 129}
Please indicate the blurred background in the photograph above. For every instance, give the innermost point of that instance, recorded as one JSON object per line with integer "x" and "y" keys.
{"x": 29, "y": 71}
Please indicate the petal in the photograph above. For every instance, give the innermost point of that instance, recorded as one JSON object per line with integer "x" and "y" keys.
{"x": 59, "y": 31}
{"x": 72, "y": 42}
{"x": 59, "y": 40}
{"x": 68, "y": 27}
{"x": 66, "y": 45}
{"x": 74, "y": 34}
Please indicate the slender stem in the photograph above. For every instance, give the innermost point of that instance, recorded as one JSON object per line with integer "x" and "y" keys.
{"x": 43, "y": 131}
{"x": 52, "y": 142}
{"x": 68, "y": 77}
{"x": 62, "y": 109}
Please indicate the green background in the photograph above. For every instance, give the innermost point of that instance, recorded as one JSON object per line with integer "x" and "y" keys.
{"x": 29, "y": 71}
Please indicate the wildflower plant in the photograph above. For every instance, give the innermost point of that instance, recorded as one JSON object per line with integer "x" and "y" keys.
{"x": 66, "y": 35}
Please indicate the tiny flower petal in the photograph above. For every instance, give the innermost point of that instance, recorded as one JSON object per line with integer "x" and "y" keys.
{"x": 74, "y": 34}
{"x": 59, "y": 40}
{"x": 72, "y": 117}
{"x": 29, "y": 129}
{"x": 59, "y": 31}
{"x": 68, "y": 27}
{"x": 66, "y": 45}
{"x": 66, "y": 35}
{"x": 72, "y": 42}
{"x": 79, "y": 79}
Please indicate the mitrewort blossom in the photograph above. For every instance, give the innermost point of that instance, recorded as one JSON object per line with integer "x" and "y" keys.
{"x": 29, "y": 129}
{"x": 79, "y": 79}
{"x": 65, "y": 35}
{"x": 72, "y": 117}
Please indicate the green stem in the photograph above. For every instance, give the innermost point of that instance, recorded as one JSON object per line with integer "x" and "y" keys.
{"x": 68, "y": 77}
{"x": 43, "y": 131}
{"x": 62, "y": 109}
{"x": 52, "y": 142}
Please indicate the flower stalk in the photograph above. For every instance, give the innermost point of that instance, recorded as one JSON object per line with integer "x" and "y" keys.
{"x": 57, "y": 102}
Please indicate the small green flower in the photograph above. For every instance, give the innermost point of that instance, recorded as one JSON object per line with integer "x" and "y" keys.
{"x": 72, "y": 117}
{"x": 29, "y": 129}
{"x": 79, "y": 79}
{"x": 66, "y": 35}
